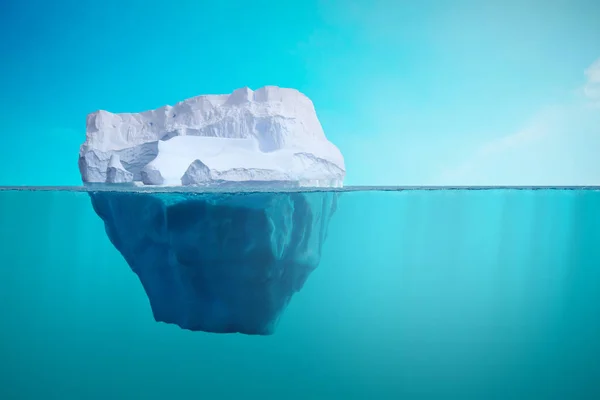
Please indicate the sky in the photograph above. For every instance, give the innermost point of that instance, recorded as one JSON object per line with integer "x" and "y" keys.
{"x": 413, "y": 93}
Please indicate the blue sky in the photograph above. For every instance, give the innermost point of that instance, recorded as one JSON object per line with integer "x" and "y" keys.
{"x": 432, "y": 92}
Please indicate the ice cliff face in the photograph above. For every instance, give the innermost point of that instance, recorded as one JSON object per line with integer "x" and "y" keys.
{"x": 268, "y": 135}
{"x": 218, "y": 262}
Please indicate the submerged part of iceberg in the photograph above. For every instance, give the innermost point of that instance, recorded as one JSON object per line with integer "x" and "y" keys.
{"x": 271, "y": 134}
{"x": 218, "y": 262}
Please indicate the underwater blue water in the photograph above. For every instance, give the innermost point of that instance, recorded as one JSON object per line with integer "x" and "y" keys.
{"x": 419, "y": 294}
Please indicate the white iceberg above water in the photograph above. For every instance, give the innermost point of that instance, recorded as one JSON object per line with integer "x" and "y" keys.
{"x": 268, "y": 135}
{"x": 215, "y": 261}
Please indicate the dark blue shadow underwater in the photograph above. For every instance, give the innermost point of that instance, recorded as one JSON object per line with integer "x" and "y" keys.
{"x": 218, "y": 262}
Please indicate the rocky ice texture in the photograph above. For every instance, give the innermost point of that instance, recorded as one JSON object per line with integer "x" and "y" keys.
{"x": 268, "y": 135}
{"x": 116, "y": 172}
{"x": 218, "y": 262}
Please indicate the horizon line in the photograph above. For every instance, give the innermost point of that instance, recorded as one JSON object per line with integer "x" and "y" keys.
{"x": 266, "y": 189}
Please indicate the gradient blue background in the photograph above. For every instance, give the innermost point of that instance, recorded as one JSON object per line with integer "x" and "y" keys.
{"x": 444, "y": 294}
{"x": 411, "y": 92}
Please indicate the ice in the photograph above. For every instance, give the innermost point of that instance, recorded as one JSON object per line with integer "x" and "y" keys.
{"x": 215, "y": 261}
{"x": 116, "y": 173}
{"x": 218, "y": 262}
{"x": 271, "y": 134}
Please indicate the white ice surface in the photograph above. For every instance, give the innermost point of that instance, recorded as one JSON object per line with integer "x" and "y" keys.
{"x": 235, "y": 158}
{"x": 270, "y": 133}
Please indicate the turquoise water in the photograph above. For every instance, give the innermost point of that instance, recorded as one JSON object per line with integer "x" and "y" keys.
{"x": 420, "y": 294}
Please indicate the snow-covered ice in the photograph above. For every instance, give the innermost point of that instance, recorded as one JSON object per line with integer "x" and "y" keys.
{"x": 271, "y": 134}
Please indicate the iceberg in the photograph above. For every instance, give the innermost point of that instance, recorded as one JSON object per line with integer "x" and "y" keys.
{"x": 268, "y": 135}
{"x": 221, "y": 261}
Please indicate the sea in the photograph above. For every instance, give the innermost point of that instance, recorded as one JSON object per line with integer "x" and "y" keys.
{"x": 420, "y": 293}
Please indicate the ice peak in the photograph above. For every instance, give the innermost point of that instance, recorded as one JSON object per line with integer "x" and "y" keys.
{"x": 240, "y": 96}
